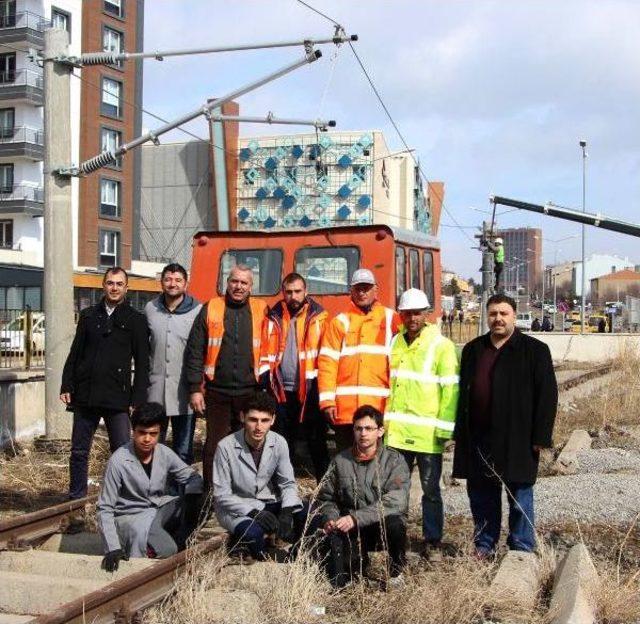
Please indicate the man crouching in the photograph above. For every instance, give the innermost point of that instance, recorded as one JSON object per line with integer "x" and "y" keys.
{"x": 254, "y": 488}
{"x": 136, "y": 516}
{"x": 363, "y": 501}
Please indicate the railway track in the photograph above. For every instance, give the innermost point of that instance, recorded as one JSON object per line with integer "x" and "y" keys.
{"x": 570, "y": 380}
{"x": 48, "y": 577}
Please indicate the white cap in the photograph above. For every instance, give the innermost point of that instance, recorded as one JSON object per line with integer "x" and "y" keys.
{"x": 413, "y": 299}
{"x": 499, "y": 240}
{"x": 363, "y": 276}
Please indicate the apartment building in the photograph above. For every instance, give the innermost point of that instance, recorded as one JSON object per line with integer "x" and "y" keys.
{"x": 105, "y": 109}
{"x": 523, "y": 259}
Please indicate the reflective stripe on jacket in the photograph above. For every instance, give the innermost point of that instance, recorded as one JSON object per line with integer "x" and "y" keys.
{"x": 215, "y": 330}
{"x": 309, "y": 327}
{"x": 353, "y": 365}
{"x": 421, "y": 409}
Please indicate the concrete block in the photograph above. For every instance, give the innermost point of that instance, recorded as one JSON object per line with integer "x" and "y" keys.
{"x": 575, "y": 580}
{"x": 14, "y": 618}
{"x": 83, "y": 567}
{"x": 232, "y": 606}
{"x": 27, "y": 594}
{"x": 74, "y": 543}
{"x": 514, "y": 589}
{"x": 567, "y": 462}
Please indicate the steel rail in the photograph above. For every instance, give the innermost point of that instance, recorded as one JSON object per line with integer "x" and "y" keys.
{"x": 122, "y": 600}
{"x": 39, "y": 524}
{"x": 586, "y": 376}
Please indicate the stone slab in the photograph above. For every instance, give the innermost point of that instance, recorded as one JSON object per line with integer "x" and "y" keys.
{"x": 514, "y": 589}
{"x": 14, "y": 618}
{"x": 74, "y": 543}
{"x": 28, "y": 594}
{"x": 575, "y": 580}
{"x": 65, "y": 565}
{"x": 567, "y": 462}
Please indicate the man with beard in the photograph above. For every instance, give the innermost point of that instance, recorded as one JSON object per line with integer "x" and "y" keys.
{"x": 170, "y": 317}
{"x": 222, "y": 359}
{"x": 353, "y": 365}
{"x": 506, "y": 413}
{"x": 289, "y": 368}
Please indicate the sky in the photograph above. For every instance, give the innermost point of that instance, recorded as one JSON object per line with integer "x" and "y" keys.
{"x": 494, "y": 96}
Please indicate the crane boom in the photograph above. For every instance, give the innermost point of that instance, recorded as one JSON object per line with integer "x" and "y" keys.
{"x": 569, "y": 214}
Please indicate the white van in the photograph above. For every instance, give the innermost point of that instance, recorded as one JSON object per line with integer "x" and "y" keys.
{"x": 524, "y": 320}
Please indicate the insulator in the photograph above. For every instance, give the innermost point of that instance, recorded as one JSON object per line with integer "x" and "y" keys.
{"x": 97, "y": 162}
{"x": 99, "y": 58}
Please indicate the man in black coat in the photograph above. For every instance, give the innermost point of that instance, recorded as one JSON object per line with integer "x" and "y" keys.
{"x": 96, "y": 380}
{"x": 506, "y": 413}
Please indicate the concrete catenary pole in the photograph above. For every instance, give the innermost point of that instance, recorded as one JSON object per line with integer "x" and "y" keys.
{"x": 58, "y": 253}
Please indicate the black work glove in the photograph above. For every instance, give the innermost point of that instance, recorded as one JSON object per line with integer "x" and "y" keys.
{"x": 286, "y": 528}
{"x": 112, "y": 559}
{"x": 265, "y": 519}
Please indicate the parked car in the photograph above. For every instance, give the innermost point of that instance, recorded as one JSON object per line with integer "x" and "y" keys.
{"x": 12, "y": 335}
{"x": 524, "y": 320}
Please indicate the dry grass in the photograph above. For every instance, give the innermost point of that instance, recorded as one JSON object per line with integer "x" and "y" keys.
{"x": 32, "y": 479}
{"x": 613, "y": 406}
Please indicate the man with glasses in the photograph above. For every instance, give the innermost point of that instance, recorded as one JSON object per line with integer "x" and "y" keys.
{"x": 353, "y": 367}
{"x": 363, "y": 503}
{"x": 97, "y": 376}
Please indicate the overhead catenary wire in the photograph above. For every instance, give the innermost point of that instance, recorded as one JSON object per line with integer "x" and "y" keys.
{"x": 390, "y": 117}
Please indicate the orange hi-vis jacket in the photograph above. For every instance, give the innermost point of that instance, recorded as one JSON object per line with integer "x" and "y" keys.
{"x": 353, "y": 365}
{"x": 309, "y": 327}
{"x": 215, "y": 330}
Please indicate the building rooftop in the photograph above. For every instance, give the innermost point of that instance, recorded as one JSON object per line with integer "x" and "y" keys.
{"x": 625, "y": 274}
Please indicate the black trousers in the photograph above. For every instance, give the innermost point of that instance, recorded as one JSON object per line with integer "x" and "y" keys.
{"x": 85, "y": 423}
{"x": 223, "y": 417}
{"x": 346, "y": 555}
{"x": 497, "y": 270}
{"x": 313, "y": 427}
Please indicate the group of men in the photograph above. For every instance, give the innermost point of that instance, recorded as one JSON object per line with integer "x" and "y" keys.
{"x": 387, "y": 384}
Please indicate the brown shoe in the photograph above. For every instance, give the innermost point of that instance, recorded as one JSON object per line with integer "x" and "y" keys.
{"x": 432, "y": 552}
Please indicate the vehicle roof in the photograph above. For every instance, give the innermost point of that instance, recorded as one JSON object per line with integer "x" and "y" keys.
{"x": 402, "y": 235}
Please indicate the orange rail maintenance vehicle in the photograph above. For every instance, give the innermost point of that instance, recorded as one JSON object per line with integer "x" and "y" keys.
{"x": 326, "y": 258}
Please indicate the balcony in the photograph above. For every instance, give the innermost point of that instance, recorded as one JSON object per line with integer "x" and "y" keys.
{"x": 23, "y": 199}
{"x": 21, "y": 142}
{"x": 22, "y": 30}
{"x": 22, "y": 85}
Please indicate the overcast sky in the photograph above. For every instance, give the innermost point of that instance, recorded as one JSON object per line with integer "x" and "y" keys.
{"x": 493, "y": 95}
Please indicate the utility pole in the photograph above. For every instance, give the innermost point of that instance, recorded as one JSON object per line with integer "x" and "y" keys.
{"x": 58, "y": 255}
{"x": 583, "y": 145}
{"x": 488, "y": 274}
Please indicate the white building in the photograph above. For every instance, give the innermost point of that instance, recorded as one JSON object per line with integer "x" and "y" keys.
{"x": 22, "y": 24}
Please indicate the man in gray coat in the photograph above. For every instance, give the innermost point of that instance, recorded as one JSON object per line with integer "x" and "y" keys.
{"x": 363, "y": 502}
{"x": 254, "y": 489}
{"x": 170, "y": 317}
{"x": 136, "y": 516}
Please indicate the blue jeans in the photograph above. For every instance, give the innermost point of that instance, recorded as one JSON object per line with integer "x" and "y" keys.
{"x": 430, "y": 469}
{"x": 182, "y": 430}
{"x": 249, "y": 534}
{"x": 485, "y": 499}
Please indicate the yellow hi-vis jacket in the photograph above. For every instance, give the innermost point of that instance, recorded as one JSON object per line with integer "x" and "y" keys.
{"x": 421, "y": 409}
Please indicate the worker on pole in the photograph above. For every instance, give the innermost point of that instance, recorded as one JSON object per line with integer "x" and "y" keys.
{"x": 421, "y": 409}
{"x": 498, "y": 249}
{"x": 353, "y": 366}
{"x": 289, "y": 368}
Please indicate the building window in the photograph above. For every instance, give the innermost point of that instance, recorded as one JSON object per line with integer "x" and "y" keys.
{"x": 114, "y": 7}
{"x": 113, "y": 41}
{"x": 109, "y": 252}
{"x": 7, "y": 122}
{"x": 110, "y": 198}
{"x": 8, "y": 14}
{"x": 110, "y": 141}
{"x": 6, "y": 178}
{"x": 60, "y": 19}
{"x": 8, "y": 67}
{"x": 111, "y": 97}
{"x": 6, "y": 234}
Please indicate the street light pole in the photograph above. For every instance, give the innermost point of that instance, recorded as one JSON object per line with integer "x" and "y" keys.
{"x": 583, "y": 145}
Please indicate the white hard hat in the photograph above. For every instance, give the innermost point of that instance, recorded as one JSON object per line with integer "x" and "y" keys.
{"x": 363, "y": 276}
{"x": 413, "y": 299}
{"x": 499, "y": 240}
